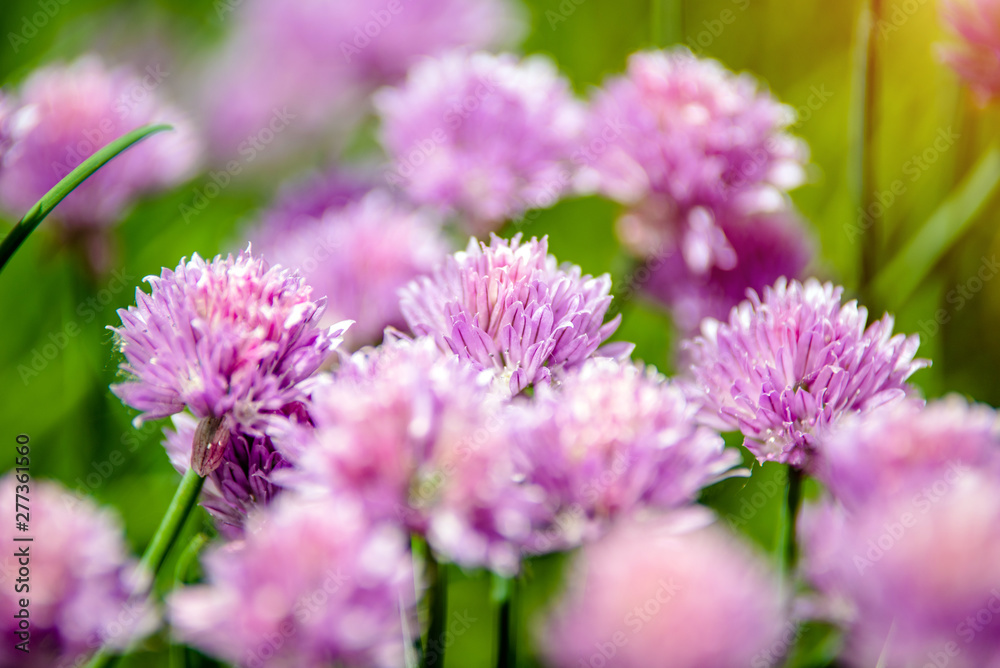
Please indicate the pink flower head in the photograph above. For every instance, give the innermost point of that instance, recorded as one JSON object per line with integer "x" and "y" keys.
{"x": 614, "y": 438}
{"x": 229, "y": 338}
{"x": 79, "y": 581}
{"x": 765, "y": 247}
{"x": 482, "y": 135}
{"x": 976, "y": 57}
{"x": 358, "y": 257}
{"x": 686, "y": 137}
{"x": 509, "y": 306}
{"x": 788, "y": 364}
{"x": 688, "y": 129}
{"x": 417, "y": 435}
{"x": 65, "y": 114}
{"x": 900, "y": 448}
{"x": 671, "y": 592}
{"x": 913, "y": 577}
{"x": 313, "y": 572}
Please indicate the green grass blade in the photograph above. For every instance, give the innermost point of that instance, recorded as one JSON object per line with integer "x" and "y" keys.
{"x": 44, "y": 206}
{"x": 907, "y": 270}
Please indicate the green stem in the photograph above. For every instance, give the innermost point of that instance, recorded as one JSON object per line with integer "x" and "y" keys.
{"x": 152, "y": 560}
{"x": 436, "y": 628}
{"x": 182, "y": 572}
{"x": 793, "y": 499}
{"x": 506, "y": 592}
{"x": 58, "y": 193}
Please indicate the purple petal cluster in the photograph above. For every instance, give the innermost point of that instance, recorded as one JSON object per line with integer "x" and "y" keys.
{"x": 78, "y": 582}
{"x": 63, "y": 114}
{"x": 358, "y": 256}
{"x": 788, "y": 364}
{"x": 312, "y": 63}
{"x": 241, "y": 483}
{"x": 418, "y": 436}
{"x": 315, "y": 583}
{"x": 687, "y": 130}
{"x": 613, "y": 439}
{"x": 509, "y": 306}
{"x": 976, "y": 56}
{"x": 666, "y": 592}
{"x": 900, "y": 448}
{"x": 913, "y": 577}
{"x": 703, "y": 159}
{"x": 484, "y": 136}
{"x": 229, "y": 338}
{"x": 766, "y": 247}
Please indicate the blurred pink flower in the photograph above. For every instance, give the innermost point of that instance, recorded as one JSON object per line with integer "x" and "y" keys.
{"x": 896, "y": 450}
{"x": 79, "y": 582}
{"x": 314, "y": 583}
{"x": 418, "y": 436}
{"x": 358, "y": 257}
{"x": 509, "y": 306}
{"x": 670, "y": 592}
{"x": 613, "y": 439}
{"x": 314, "y": 63}
{"x": 976, "y": 56}
{"x": 913, "y": 577}
{"x": 486, "y": 137}
{"x": 64, "y": 114}
{"x": 791, "y": 362}
{"x": 231, "y": 338}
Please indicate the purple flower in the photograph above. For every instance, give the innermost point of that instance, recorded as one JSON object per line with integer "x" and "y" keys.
{"x": 912, "y": 577}
{"x": 666, "y": 592}
{"x": 976, "y": 57}
{"x": 79, "y": 583}
{"x": 789, "y": 364}
{"x": 687, "y": 138}
{"x": 229, "y": 338}
{"x": 688, "y": 129}
{"x": 614, "y": 438}
{"x": 63, "y": 115}
{"x": 419, "y": 437}
{"x": 314, "y": 584}
{"x": 487, "y": 137}
{"x": 900, "y": 448}
{"x": 305, "y": 68}
{"x": 358, "y": 257}
{"x": 241, "y": 483}
{"x": 765, "y": 247}
{"x": 509, "y": 306}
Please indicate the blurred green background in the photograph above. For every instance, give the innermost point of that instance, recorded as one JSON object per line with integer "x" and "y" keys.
{"x": 805, "y": 51}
